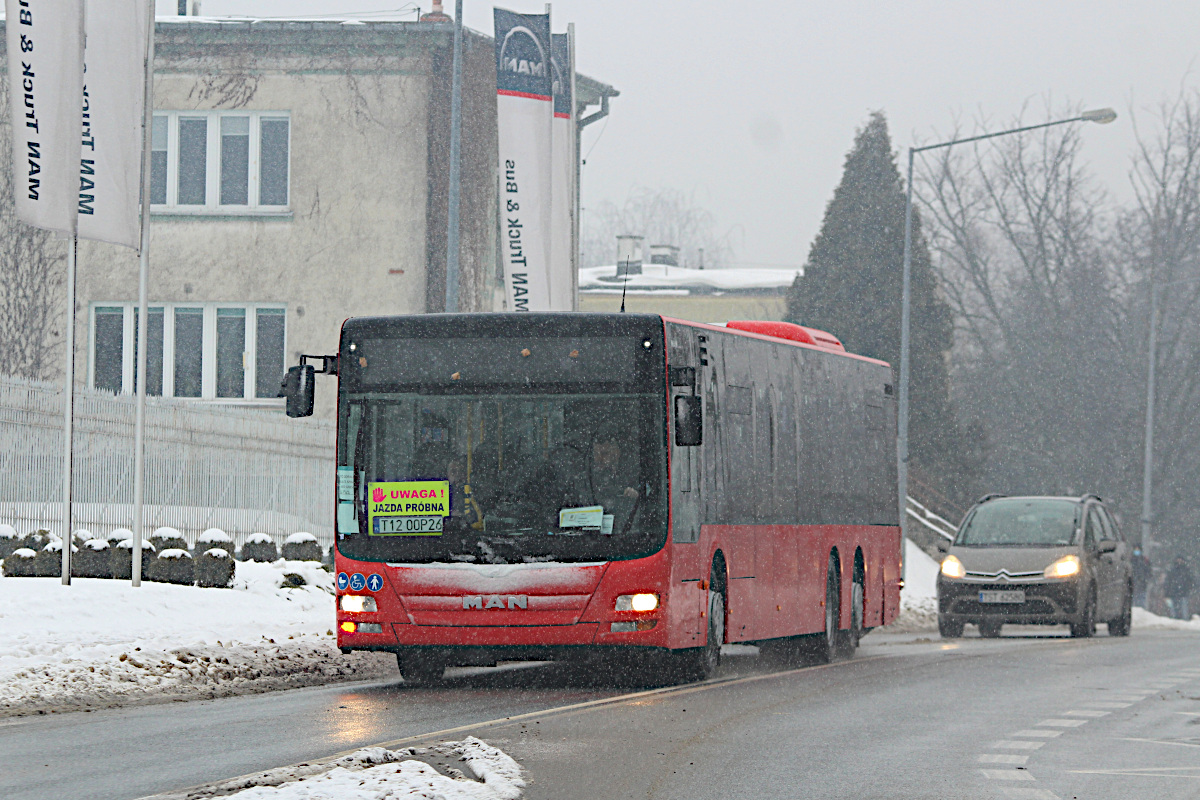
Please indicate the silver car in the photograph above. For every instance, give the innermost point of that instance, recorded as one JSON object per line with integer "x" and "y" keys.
{"x": 1036, "y": 561}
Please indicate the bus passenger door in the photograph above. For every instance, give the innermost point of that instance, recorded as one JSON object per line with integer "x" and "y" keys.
{"x": 686, "y": 466}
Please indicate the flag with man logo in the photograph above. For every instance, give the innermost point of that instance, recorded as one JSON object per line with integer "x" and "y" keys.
{"x": 562, "y": 160}
{"x": 524, "y": 112}
{"x": 45, "y": 86}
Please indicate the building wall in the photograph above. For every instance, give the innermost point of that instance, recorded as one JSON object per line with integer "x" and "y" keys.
{"x": 697, "y": 307}
{"x": 365, "y": 230}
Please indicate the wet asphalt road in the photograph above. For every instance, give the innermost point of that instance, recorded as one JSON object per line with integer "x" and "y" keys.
{"x": 909, "y": 717}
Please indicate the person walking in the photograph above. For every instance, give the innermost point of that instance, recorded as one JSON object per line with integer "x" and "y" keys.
{"x": 1142, "y": 573}
{"x": 1177, "y": 587}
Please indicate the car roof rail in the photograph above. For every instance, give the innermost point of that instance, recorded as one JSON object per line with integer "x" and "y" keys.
{"x": 991, "y": 496}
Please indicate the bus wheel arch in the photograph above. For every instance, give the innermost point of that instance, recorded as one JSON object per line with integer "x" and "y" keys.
{"x": 719, "y": 582}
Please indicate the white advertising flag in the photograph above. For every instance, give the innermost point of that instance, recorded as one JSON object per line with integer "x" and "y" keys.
{"x": 110, "y": 164}
{"x": 562, "y": 160}
{"x": 45, "y": 79}
{"x": 524, "y": 111}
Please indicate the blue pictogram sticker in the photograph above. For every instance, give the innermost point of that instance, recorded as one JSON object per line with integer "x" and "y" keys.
{"x": 374, "y": 582}
{"x": 343, "y": 580}
{"x": 357, "y": 582}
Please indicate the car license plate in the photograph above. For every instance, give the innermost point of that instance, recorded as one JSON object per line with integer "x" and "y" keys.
{"x": 1002, "y": 597}
{"x": 408, "y": 526}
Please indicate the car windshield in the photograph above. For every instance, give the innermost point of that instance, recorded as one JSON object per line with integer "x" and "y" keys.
{"x": 501, "y": 478}
{"x": 1038, "y": 522}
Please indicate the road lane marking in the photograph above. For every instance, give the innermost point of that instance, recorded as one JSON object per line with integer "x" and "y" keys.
{"x": 1086, "y": 712}
{"x": 1189, "y": 713}
{"x": 1006, "y": 775}
{"x": 1107, "y": 704}
{"x": 1063, "y": 723}
{"x": 1144, "y": 772}
{"x": 1002, "y": 758}
{"x": 1009, "y": 744}
{"x": 1160, "y": 741}
{"x": 1039, "y": 734}
{"x": 1030, "y": 794}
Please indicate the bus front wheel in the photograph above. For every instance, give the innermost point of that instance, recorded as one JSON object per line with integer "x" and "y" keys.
{"x": 419, "y": 671}
{"x": 700, "y": 663}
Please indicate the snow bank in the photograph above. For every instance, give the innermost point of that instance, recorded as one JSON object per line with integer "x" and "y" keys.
{"x": 918, "y": 598}
{"x": 375, "y": 773}
{"x": 101, "y": 643}
{"x": 1144, "y": 619}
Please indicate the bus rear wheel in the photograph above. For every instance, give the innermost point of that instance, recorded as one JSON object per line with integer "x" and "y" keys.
{"x": 827, "y": 646}
{"x": 420, "y": 670}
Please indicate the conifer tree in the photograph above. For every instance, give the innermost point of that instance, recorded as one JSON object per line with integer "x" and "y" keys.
{"x": 851, "y": 287}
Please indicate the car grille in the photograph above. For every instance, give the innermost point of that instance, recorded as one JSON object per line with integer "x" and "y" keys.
{"x": 1006, "y": 575}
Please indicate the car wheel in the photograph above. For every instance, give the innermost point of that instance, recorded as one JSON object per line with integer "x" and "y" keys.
{"x": 990, "y": 629}
{"x": 949, "y": 628}
{"x": 1087, "y": 620}
{"x": 827, "y": 649}
{"x": 1122, "y": 624}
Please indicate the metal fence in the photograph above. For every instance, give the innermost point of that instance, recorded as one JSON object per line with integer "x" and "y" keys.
{"x": 207, "y": 466}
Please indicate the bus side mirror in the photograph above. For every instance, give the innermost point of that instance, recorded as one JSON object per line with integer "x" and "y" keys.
{"x": 298, "y": 389}
{"x": 689, "y": 421}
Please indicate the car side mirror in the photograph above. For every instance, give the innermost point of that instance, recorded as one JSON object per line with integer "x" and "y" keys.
{"x": 943, "y": 546}
{"x": 689, "y": 421}
{"x": 298, "y": 390}
{"x": 1108, "y": 546}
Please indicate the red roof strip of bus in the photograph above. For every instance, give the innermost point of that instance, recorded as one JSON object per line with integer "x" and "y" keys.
{"x": 788, "y": 330}
{"x": 757, "y": 335}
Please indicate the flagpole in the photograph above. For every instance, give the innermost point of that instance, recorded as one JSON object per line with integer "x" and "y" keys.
{"x": 69, "y": 411}
{"x": 574, "y": 173}
{"x": 139, "y": 427}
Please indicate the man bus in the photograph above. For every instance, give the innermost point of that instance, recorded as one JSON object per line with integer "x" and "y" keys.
{"x": 548, "y": 486}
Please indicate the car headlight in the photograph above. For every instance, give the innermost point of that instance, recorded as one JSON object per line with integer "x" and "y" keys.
{"x": 1065, "y": 567}
{"x": 637, "y": 602}
{"x": 357, "y": 603}
{"x": 953, "y": 568}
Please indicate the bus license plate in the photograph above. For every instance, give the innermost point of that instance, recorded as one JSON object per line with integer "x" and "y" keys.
{"x": 1002, "y": 597}
{"x": 408, "y": 526}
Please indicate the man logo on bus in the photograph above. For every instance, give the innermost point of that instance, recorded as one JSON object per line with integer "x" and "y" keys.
{"x": 493, "y": 601}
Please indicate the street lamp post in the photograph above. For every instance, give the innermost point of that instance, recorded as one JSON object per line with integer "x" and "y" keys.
{"x": 1102, "y": 116}
{"x": 1151, "y": 368}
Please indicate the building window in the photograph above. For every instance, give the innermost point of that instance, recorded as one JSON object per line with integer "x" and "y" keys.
{"x": 229, "y": 351}
{"x": 227, "y": 162}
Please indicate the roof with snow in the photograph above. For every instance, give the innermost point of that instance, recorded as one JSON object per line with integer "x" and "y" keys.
{"x": 665, "y": 279}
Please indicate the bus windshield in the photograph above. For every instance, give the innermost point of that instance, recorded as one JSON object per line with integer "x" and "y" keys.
{"x": 501, "y": 477}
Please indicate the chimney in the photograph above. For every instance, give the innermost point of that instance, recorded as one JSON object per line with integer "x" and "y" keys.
{"x": 629, "y": 255}
{"x": 436, "y": 14}
{"x": 664, "y": 254}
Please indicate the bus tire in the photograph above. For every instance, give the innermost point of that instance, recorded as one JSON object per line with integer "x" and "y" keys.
{"x": 829, "y": 640}
{"x": 420, "y": 670}
{"x": 700, "y": 663}
{"x": 848, "y": 639}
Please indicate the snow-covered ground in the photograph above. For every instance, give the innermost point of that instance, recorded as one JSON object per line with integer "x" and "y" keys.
{"x": 375, "y": 773}
{"x": 101, "y": 643}
{"x": 918, "y": 598}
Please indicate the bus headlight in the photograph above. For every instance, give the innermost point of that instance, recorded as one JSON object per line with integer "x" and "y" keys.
{"x": 357, "y": 603}
{"x": 953, "y": 568}
{"x": 637, "y": 602}
{"x": 1065, "y": 567}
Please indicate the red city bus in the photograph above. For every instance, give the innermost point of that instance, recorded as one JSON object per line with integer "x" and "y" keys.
{"x": 551, "y": 486}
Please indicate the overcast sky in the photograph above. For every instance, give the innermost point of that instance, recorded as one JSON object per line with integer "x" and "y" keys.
{"x": 751, "y": 107}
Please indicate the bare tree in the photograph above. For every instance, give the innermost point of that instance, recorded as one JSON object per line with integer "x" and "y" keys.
{"x": 1020, "y": 238}
{"x": 1160, "y": 239}
{"x": 32, "y": 273}
{"x": 663, "y": 216}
